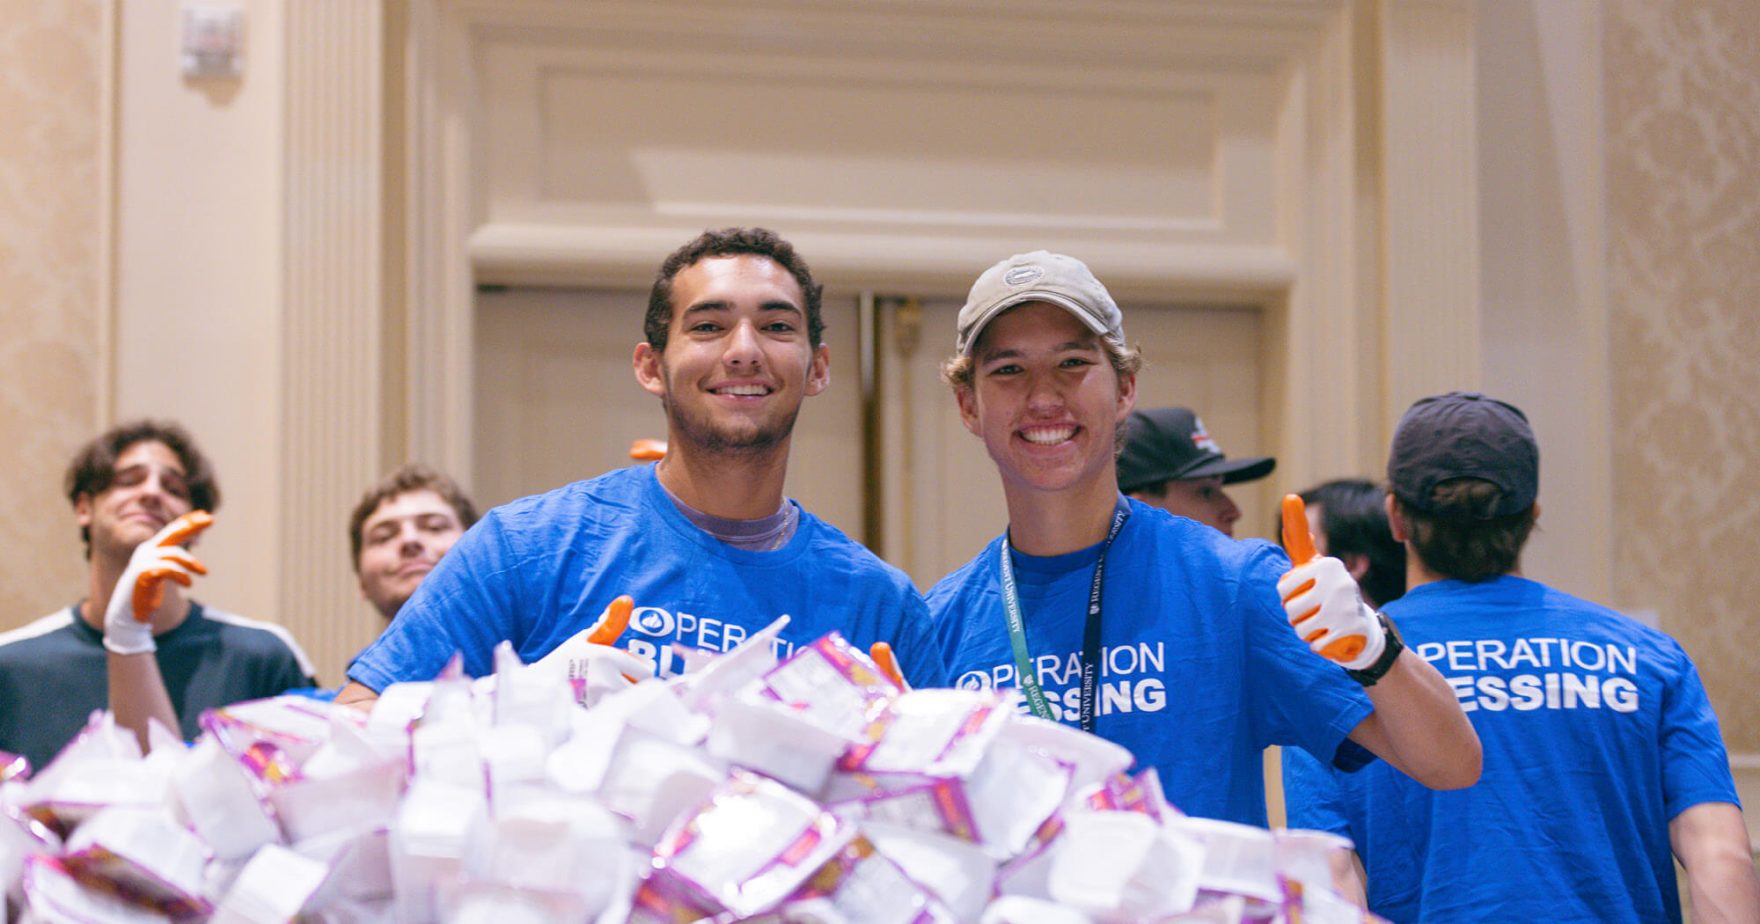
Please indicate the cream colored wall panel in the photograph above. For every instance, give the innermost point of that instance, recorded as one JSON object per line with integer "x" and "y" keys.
{"x": 1682, "y": 152}
{"x": 249, "y": 258}
{"x": 595, "y": 142}
{"x": 907, "y": 149}
{"x": 198, "y": 279}
{"x": 51, "y": 200}
{"x": 1542, "y": 275}
{"x": 331, "y": 341}
{"x": 1429, "y": 208}
{"x": 557, "y": 397}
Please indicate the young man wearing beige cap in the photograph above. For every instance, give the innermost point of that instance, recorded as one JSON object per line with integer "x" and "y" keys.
{"x": 1151, "y": 630}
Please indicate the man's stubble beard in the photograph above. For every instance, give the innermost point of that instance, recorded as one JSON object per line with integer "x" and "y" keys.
{"x": 703, "y": 434}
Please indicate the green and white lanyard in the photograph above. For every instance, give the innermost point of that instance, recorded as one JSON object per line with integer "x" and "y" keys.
{"x": 1017, "y": 632}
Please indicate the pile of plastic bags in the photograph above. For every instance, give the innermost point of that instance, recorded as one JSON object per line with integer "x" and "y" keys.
{"x": 813, "y": 789}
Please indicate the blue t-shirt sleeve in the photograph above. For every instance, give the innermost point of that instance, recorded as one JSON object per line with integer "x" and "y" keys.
{"x": 466, "y": 605}
{"x": 1695, "y": 766}
{"x": 1300, "y": 698}
{"x": 1311, "y": 795}
{"x": 919, "y": 657}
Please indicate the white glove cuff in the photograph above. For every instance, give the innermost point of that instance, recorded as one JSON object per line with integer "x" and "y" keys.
{"x": 131, "y": 646}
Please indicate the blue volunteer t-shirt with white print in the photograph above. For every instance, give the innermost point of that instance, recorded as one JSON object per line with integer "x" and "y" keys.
{"x": 1596, "y": 733}
{"x": 1199, "y": 670}
{"x": 541, "y": 569}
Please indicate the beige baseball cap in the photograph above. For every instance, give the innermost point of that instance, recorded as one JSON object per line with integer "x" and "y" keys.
{"x": 1040, "y": 276}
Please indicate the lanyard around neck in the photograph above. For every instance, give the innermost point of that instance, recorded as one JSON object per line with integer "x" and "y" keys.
{"x": 1017, "y": 631}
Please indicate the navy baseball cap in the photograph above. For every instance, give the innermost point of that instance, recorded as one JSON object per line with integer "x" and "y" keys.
{"x": 1464, "y": 434}
{"x": 1169, "y": 443}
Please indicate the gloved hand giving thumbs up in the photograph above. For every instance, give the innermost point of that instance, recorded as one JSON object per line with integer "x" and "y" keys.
{"x": 1325, "y": 607}
{"x": 128, "y": 618}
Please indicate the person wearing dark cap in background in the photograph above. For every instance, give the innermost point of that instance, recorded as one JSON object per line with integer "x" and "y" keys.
{"x": 1170, "y": 461}
{"x": 1601, "y": 750}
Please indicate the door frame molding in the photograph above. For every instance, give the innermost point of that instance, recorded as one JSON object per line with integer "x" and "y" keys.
{"x": 1375, "y": 141}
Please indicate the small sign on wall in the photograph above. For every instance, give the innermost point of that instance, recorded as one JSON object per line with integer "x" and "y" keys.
{"x": 213, "y": 40}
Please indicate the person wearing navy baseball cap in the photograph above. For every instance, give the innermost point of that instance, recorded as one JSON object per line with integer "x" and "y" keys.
{"x": 1603, "y": 759}
{"x": 1170, "y": 461}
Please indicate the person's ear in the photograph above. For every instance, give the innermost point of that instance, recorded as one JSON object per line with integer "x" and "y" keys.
{"x": 1357, "y": 564}
{"x": 1396, "y": 519}
{"x": 968, "y": 408}
{"x": 819, "y": 371}
{"x": 1127, "y": 396}
{"x": 647, "y": 368}
{"x": 82, "y": 510}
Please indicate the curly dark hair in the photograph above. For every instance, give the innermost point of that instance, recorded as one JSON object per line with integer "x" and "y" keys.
{"x": 412, "y": 477}
{"x": 94, "y": 465}
{"x": 1458, "y": 541}
{"x": 728, "y": 242}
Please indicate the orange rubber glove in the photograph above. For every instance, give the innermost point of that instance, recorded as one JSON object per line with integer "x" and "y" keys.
{"x": 1322, "y": 600}
{"x": 128, "y": 627}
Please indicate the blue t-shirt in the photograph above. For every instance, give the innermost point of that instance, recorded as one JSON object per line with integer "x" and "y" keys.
{"x": 541, "y": 569}
{"x": 1199, "y": 669}
{"x": 1596, "y": 733}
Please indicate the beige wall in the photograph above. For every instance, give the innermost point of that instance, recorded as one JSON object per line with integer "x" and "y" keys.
{"x": 1542, "y": 244}
{"x": 1683, "y": 158}
{"x": 49, "y": 289}
{"x": 198, "y": 262}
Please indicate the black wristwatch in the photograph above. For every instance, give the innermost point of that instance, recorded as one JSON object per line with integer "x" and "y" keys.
{"x": 1392, "y": 645}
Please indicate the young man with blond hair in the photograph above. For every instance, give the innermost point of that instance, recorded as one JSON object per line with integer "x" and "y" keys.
{"x": 1151, "y": 630}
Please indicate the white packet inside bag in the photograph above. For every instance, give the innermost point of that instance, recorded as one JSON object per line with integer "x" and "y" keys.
{"x": 144, "y": 854}
{"x": 362, "y": 799}
{"x": 429, "y": 841}
{"x": 767, "y": 737}
{"x": 219, "y": 800}
{"x": 960, "y": 875}
{"x": 833, "y": 685}
{"x": 752, "y": 845}
{"x": 1016, "y": 909}
{"x": 935, "y": 732}
{"x": 1092, "y": 757}
{"x": 51, "y": 894}
{"x": 1312, "y": 859}
{"x": 1238, "y": 859}
{"x": 651, "y": 782}
{"x": 272, "y": 889}
{"x": 1123, "y": 866}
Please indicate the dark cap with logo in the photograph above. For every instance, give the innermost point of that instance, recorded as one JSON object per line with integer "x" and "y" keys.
{"x": 1169, "y": 443}
{"x": 1464, "y": 434}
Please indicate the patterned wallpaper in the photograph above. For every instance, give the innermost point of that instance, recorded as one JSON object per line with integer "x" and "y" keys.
{"x": 48, "y": 290}
{"x": 1683, "y": 174}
